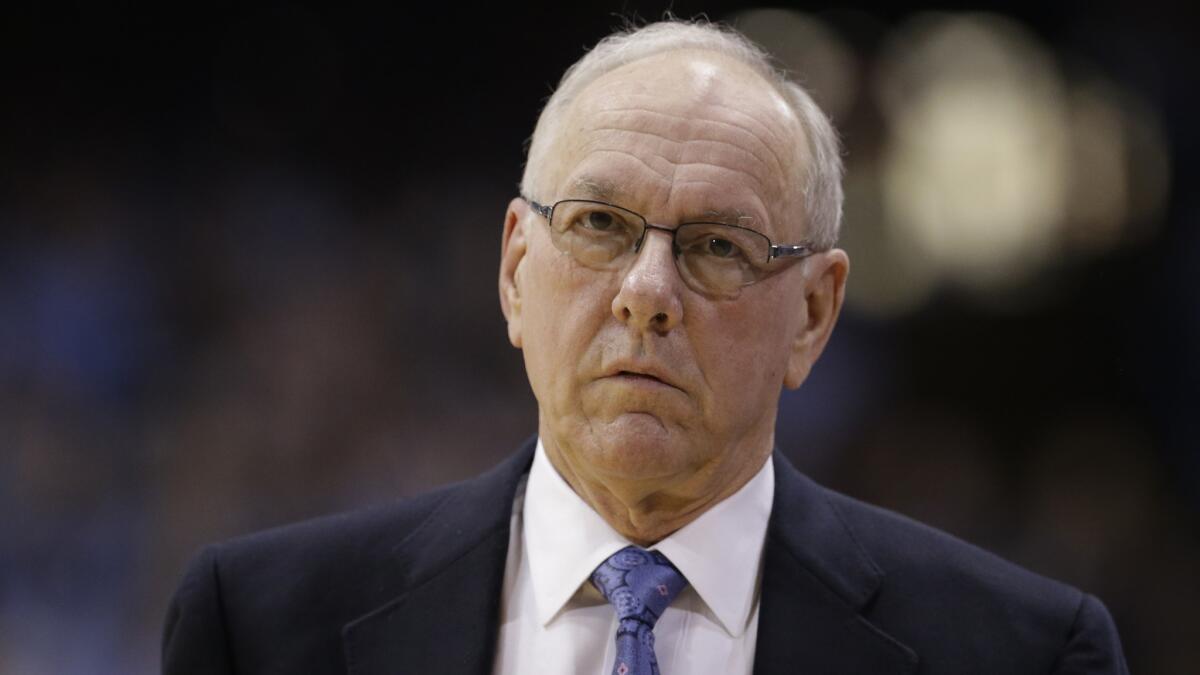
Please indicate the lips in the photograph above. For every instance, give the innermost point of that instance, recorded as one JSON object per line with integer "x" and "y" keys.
{"x": 640, "y": 376}
{"x": 634, "y": 372}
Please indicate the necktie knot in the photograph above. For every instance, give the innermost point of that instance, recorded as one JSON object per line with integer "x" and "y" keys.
{"x": 639, "y": 584}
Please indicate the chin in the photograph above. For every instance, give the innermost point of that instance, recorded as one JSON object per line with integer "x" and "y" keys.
{"x": 639, "y": 446}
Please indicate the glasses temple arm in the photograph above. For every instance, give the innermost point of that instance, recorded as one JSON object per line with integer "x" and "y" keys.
{"x": 540, "y": 209}
{"x": 790, "y": 251}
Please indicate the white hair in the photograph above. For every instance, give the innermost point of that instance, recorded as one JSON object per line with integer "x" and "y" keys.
{"x": 822, "y": 163}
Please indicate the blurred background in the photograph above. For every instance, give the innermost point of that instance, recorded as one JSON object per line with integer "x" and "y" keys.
{"x": 248, "y": 259}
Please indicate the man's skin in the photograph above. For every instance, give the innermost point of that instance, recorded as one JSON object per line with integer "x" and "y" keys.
{"x": 656, "y": 401}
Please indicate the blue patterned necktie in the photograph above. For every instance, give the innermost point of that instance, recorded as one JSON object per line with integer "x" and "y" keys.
{"x": 639, "y": 584}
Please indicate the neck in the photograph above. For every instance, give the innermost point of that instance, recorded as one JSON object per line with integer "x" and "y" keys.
{"x": 646, "y": 512}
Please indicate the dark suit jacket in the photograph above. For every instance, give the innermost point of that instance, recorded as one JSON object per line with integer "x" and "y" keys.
{"x": 415, "y": 588}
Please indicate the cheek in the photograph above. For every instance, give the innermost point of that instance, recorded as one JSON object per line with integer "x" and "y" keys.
{"x": 562, "y": 312}
{"x": 744, "y": 360}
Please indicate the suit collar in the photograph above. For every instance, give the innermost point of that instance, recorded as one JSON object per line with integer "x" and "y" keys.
{"x": 808, "y": 526}
{"x": 718, "y": 552}
{"x": 444, "y": 620}
{"x": 817, "y": 580}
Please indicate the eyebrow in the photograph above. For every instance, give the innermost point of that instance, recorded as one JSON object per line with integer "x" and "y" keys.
{"x": 731, "y": 216}
{"x": 594, "y": 188}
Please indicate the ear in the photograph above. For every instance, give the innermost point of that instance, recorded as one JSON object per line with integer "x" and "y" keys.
{"x": 512, "y": 254}
{"x": 824, "y": 291}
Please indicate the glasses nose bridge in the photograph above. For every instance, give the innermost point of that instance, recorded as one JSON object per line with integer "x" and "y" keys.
{"x": 637, "y": 247}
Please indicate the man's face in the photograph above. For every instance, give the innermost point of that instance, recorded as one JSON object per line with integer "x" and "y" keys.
{"x": 641, "y": 379}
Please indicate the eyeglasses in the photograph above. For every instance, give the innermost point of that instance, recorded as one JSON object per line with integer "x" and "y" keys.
{"x": 715, "y": 259}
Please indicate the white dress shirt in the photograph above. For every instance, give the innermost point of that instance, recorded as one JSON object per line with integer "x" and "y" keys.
{"x": 554, "y": 621}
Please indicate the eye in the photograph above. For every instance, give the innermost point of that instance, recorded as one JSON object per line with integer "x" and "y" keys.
{"x": 721, "y": 248}
{"x": 600, "y": 221}
{"x": 715, "y": 243}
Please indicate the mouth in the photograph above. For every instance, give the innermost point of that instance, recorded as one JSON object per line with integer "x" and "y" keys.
{"x": 644, "y": 376}
{"x": 640, "y": 376}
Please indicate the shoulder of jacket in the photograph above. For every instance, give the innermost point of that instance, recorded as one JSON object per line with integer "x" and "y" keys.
{"x": 913, "y": 555}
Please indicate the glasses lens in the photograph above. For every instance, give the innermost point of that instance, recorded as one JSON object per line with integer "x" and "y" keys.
{"x": 595, "y": 234}
{"x": 721, "y": 259}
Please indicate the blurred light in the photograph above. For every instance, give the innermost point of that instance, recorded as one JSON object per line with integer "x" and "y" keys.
{"x": 995, "y": 168}
{"x": 1149, "y": 163}
{"x": 1099, "y": 195}
{"x": 884, "y": 282}
{"x": 814, "y": 53}
{"x": 1121, "y": 174}
{"x": 976, "y": 171}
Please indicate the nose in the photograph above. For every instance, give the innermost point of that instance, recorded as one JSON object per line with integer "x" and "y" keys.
{"x": 649, "y": 297}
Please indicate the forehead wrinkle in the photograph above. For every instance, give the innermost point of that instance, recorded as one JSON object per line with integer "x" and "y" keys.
{"x": 669, "y": 178}
{"x": 800, "y": 151}
{"x": 743, "y": 131}
{"x": 684, "y": 143}
{"x": 705, "y": 206}
{"x": 766, "y": 183}
{"x": 639, "y": 160}
{"x": 765, "y": 128}
{"x": 762, "y": 195}
{"x": 797, "y": 142}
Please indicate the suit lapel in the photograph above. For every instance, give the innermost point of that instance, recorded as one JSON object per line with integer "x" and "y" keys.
{"x": 816, "y": 580}
{"x": 445, "y": 618}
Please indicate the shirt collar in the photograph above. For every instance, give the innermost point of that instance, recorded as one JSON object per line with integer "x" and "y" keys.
{"x": 719, "y": 552}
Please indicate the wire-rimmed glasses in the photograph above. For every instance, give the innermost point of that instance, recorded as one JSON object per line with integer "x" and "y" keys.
{"x": 716, "y": 259}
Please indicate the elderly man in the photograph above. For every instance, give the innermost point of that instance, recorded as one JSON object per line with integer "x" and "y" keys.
{"x": 667, "y": 270}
